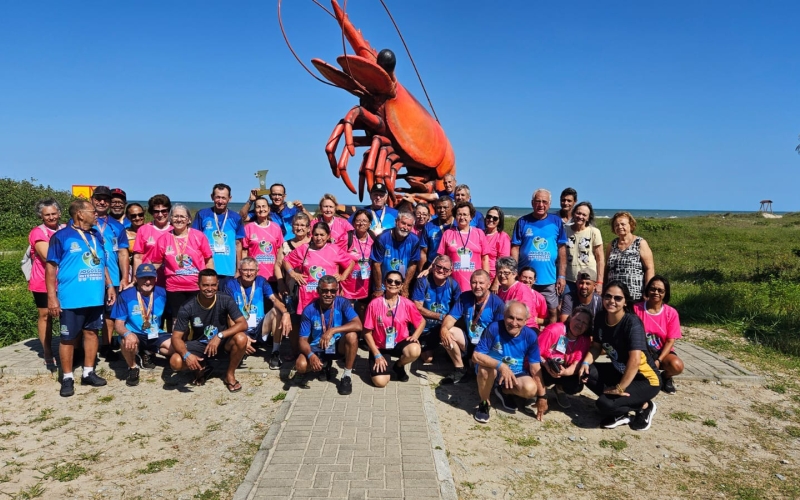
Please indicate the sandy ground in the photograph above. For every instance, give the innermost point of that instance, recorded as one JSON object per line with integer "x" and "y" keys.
{"x": 161, "y": 439}
{"x": 709, "y": 440}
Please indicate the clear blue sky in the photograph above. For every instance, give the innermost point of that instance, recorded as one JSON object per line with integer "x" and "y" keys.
{"x": 671, "y": 105}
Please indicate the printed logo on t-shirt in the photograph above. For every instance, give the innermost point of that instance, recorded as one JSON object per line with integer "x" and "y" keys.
{"x": 151, "y": 241}
{"x": 511, "y": 362}
{"x": 528, "y": 232}
{"x": 74, "y": 247}
{"x": 498, "y": 347}
{"x": 209, "y": 225}
{"x": 395, "y": 264}
{"x": 198, "y": 322}
{"x": 316, "y": 272}
{"x": 539, "y": 243}
{"x": 265, "y": 246}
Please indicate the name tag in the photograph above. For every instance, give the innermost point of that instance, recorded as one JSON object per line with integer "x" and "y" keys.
{"x": 391, "y": 337}
{"x": 252, "y": 321}
{"x": 475, "y": 333}
{"x": 152, "y": 333}
{"x": 464, "y": 258}
{"x": 364, "y": 271}
{"x": 561, "y": 345}
{"x": 331, "y": 349}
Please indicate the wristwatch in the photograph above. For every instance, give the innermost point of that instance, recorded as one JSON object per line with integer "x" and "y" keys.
{"x": 220, "y": 336}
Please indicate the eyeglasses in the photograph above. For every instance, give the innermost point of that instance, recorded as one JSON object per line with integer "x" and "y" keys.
{"x": 248, "y": 270}
{"x": 179, "y": 217}
{"x": 615, "y": 298}
{"x": 491, "y": 217}
{"x": 162, "y": 211}
{"x": 659, "y": 291}
{"x": 136, "y": 216}
{"x": 505, "y": 273}
{"x": 327, "y": 291}
{"x": 441, "y": 268}
{"x": 394, "y": 282}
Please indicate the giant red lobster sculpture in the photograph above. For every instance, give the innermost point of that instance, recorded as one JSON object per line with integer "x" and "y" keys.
{"x": 398, "y": 131}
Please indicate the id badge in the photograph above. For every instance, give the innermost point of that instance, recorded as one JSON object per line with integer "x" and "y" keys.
{"x": 378, "y": 229}
{"x": 363, "y": 266}
{"x": 331, "y": 349}
{"x": 152, "y": 333}
{"x": 114, "y": 244}
{"x": 561, "y": 345}
{"x": 391, "y": 337}
{"x": 475, "y": 334}
{"x": 464, "y": 259}
{"x": 252, "y": 321}
{"x": 219, "y": 242}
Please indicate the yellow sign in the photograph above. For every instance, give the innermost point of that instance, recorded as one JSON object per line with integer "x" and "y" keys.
{"x": 82, "y": 191}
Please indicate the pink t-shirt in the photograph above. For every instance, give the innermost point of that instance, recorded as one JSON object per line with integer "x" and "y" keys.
{"x": 573, "y": 351}
{"x": 356, "y": 286}
{"x": 339, "y": 228}
{"x": 182, "y": 259}
{"x": 521, "y": 292}
{"x": 470, "y": 244}
{"x": 146, "y": 238}
{"x": 262, "y": 243}
{"x": 313, "y": 265}
{"x": 659, "y": 327}
{"x": 37, "y": 234}
{"x": 380, "y": 316}
{"x": 498, "y": 244}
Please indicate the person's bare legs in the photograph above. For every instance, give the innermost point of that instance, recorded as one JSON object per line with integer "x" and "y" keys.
{"x": 90, "y": 345}
{"x": 236, "y": 346}
{"x": 458, "y": 347}
{"x": 44, "y": 325}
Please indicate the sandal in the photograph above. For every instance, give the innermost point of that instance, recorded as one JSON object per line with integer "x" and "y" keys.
{"x": 201, "y": 377}
{"x": 234, "y": 387}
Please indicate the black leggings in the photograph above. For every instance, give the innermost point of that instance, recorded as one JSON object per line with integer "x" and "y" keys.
{"x": 604, "y": 375}
{"x": 571, "y": 385}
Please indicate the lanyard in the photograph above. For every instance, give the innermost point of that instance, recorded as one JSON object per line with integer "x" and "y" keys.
{"x": 224, "y": 221}
{"x": 375, "y": 218}
{"x": 180, "y": 251}
{"x": 393, "y": 312}
{"x": 146, "y": 312}
{"x": 248, "y": 303}
{"x": 329, "y": 324}
{"x": 103, "y": 227}
{"x": 476, "y": 315}
{"x": 95, "y": 257}
{"x": 464, "y": 243}
{"x": 360, "y": 247}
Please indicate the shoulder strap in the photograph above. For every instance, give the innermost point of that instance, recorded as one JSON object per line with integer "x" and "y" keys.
{"x": 350, "y": 238}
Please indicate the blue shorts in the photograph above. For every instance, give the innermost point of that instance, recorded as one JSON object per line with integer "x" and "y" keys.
{"x": 75, "y": 321}
{"x": 153, "y": 345}
{"x": 255, "y": 333}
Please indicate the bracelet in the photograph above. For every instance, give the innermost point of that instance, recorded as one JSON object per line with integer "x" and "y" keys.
{"x": 499, "y": 364}
{"x": 585, "y": 363}
{"x": 599, "y": 282}
{"x": 441, "y": 316}
{"x": 186, "y": 356}
{"x": 126, "y": 334}
{"x": 619, "y": 389}
{"x": 309, "y": 355}
{"x": 378, "y": 356}
{"x": 562, "y": 277}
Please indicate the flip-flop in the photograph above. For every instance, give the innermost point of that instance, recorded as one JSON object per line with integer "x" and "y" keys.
{"x": 234, "y": 387}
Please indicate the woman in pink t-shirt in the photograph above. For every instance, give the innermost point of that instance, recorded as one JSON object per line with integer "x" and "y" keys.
{"x": 387, "y": 334}
{"x": 39, "y": 239}
{"x": 356, "y": 286}
{"x": 562, "y": 347}
{"x": 183, "y": 253}
{"x": 263, "y": 241}
{"x": 511, "y": 289}
{"x": 327, "y": 213}
{"x": 311, "y": 261}
{"x": 465, "y": 245}
{"x": 662, "y": 326}
{"x": 147, "y": 236}
{"x": 498, "y": 243}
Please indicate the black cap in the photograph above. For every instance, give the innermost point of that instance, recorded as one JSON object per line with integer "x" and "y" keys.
{"x": 101, "y": 191}
{"x": 119, "y": 193}
{"x": 378, "y": 188}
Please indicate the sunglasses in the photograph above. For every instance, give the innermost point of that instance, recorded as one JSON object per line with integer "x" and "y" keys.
{"x": 441, "y": 268}
{"x": 660, "y": 291}
{"x": 136, "y": 216}
{"x": 327, "y": 291}
{"x": 491, "y": 217}
{"x": 162, "y": 211}
{"x": 615, "y": 298}
{"x": 394, "y": 282}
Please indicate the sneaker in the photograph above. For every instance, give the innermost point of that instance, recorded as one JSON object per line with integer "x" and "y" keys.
{"x": 275, "y": 360}
{"x": 67, "y": 387}
{"x": 146, "y": 360}
{"x": 301, "y": 381}
{"x": 643, "y": 418}
{"x": 400, "y": 372}
{"x": 133, "y": 377}
{"x": 527, "y": 406}
{"x": 345, "y": 386}
{"x": 668, "y": 386}
{"x": 507, "y": 400}
{"x": 482, "y": 413}
{"x": 330, "y": 372}
{"x": 455, "y": 377}
{"x": 94, "y": 380}
{"x": 612, "y": 422}
{"x": 561, "y": 397}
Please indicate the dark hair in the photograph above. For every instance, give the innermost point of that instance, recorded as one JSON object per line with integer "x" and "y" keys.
{"x": 328, "y": 279}
{"x": 220, "y": 186}
{"x": 462, "y": 204}
{"x": 133, "y": 205}
{"x": 501, "y": 224}
{"x": 662, "y": 279}
{"x": 625, "y": 292}
{"x": 76, "y": 206}
{"x": 207, "y": 272}
{"x": 569, "y": 192}
{"x": 443, "y": 199}
{"x": 525, "y": 268}
{"x": 588, "y": 205}
{"x": 323, "y": 225}
{"x": 363, "y": 211}
{"x": 394, "y": 271}
{"x": 424, "y": 204}
{"x": 159, "y": 199}
{"x": 278, "y": 184}
{"x": 588, "y": 312}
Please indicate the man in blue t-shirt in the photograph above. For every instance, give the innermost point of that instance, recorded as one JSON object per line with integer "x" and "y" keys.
{"x": 463, "y": 194}
{"x": 539, "y": 241}
{"x": 434, "y": 296}
{"x": 431, "y": 234}
{"x": 329, "y": 329}
{"x": 138, "y": 318}
{"x": 279, "y": 210}
{"x": 254, "y": 295}
{"x": 395, "y": 250}
{"x": 383, "y": 217}
{"x": 224, "y": 230}
{"x": 500, "y": 358}
{"x": 463, "y": 325}
{"x": 78, "y": 286}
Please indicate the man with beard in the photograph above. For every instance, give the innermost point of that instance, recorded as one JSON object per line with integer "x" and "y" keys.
{"x": 431, "y": 234}
{"x": 395, "y": 250}
{"x": 117, "y": 209}
{"x": 584, "y": 295}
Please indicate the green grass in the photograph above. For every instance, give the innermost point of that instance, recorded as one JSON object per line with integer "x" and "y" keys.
{"x": 33, "y": 491}
{"x": 44, "y": 414}
{"x": 614, "y": 444}
{"x": 29, "y": 395}
{"x": 158, "y": 466}
{"x": 61, "y": 422}
{"x": 105, "y": 399}
{"x": 793, "y": 431}
{"x": 279, "y": 397}
{"x": 8, "y": 435}
{"x": 682, "y": 416}
{"x": 710, "y": 422}
{"x": 65, "y": 472}
{"x": 526, "y": 440}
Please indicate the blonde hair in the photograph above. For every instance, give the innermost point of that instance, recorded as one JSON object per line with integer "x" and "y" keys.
{"x": 619, "y": 215}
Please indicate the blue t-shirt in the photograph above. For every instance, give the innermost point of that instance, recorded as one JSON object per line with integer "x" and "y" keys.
{"x": 284, "y": 219}
{"x": 538, "y": 242}
{"x": 114, "y": 237}
{"x": 223, "y": 246}
{"x": 430, "y": 237}
{"x": 438, "y": 299}
{"x": 478, "y": 221}
{"x": 465, "y": 307}
{"x": 81, "y": 279}
{"x": 389, "y": 215}
{"x": 513, "y": 351}
{"x": 443, "y": 193}
{"x": 261, "y": 294}
{"x": 127, "y": 308}
{"x": 311, "y": 320}
{"x": 395, "y": 255}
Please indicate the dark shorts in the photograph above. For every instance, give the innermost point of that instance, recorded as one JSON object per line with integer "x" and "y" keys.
{"x": 152, "y": 345}
{"x": 549, "y": 293}
{"x": 387, "y": 353}
{"x": 40, "y": 299}
{"x": 198, "y": 349}
{"x": 75, "y": 321}
{"x": 176, "y": 299}
{"x": 325, "y": 357}
{"x": 429, "y": 340}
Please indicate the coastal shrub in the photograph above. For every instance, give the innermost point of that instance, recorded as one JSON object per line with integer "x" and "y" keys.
{"x": 10, "y": 272}
{"x": 18, "y": 314}
{"x": 18, "y": 205}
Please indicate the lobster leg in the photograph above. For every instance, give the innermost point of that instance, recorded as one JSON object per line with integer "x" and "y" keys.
{"x": 360, "y": 119}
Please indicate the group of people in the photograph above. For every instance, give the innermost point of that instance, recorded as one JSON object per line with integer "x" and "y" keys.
{"x": 431, "y": 276}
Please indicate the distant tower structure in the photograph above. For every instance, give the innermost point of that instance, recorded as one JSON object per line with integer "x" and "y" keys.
{"x": 766, "y": 206}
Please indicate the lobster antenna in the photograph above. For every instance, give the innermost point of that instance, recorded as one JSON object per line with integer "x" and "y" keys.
{"x": 288, "y": 44}
{"x": 344, "y": 51}
{"x": 412, "y": 59}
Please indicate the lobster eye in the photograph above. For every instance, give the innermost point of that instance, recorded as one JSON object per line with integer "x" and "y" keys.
{"x": 387, "y": 60}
